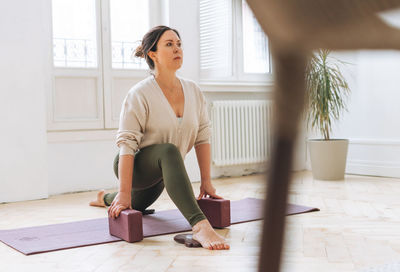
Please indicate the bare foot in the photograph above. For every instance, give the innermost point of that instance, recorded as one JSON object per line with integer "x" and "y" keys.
{"x": 99, "y": 202}
{"x": 207, "y": 237}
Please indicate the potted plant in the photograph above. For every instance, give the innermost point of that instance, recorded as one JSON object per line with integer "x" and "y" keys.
{"x": 327, "y": 91}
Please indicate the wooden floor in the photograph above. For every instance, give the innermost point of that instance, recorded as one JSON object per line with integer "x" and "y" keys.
{"x": 357, "y": 227}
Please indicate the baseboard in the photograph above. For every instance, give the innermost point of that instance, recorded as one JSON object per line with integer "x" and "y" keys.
{"x": 373, "y": 168}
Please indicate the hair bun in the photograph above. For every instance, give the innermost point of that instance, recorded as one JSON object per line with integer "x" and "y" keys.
{"x": 139, "y": 52}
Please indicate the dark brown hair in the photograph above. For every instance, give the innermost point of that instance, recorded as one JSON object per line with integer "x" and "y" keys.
{"x": 149, "y": 43}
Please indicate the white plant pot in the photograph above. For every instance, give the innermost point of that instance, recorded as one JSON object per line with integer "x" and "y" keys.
{"x": 328, "y": 158}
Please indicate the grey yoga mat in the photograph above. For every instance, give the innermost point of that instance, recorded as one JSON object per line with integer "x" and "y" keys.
{"x": 40, "y": 239}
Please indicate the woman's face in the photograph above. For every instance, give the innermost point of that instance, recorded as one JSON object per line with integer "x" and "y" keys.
{"x": 169, "y": 53}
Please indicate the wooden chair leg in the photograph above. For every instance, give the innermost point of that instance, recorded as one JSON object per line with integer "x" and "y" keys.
{"x": 289, "y": 100}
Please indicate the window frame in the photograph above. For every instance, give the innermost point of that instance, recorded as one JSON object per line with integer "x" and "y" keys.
{"x": 66, "y": 124}
{"x": 103, "y": 72}
{"x": 239, "y": 77}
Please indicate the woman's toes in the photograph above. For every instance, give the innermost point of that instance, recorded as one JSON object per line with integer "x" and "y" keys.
{"x": 207, "y": 245}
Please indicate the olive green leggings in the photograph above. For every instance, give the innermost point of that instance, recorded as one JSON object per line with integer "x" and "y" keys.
{"x": 156, "y": 166}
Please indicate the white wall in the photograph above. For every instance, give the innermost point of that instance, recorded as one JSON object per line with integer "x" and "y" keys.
{"x": 372, "y": 122}
{"x": 24, "y": 72}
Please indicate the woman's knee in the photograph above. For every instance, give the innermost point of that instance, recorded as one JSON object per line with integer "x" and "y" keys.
{"x": 169, "y": 150}
{"x": 144, "y": 198}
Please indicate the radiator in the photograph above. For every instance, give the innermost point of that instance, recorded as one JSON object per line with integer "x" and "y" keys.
{"x": 241, "y": 131}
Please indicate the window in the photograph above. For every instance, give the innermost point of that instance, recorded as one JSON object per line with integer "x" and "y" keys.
{"x": 129, "y": 22}
{"x": 215, "y": 39}
{"x": 74, "y": 41}
{"x": 233, "y": 46}
{"x": 93, "y": 68}
{"x": 255, "y": 43}
{"x": 74, "y": 37}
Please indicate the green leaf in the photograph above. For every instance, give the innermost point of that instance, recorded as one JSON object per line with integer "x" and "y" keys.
{"x": 327, "y": 91}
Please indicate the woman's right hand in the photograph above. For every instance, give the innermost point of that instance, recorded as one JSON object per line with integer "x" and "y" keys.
{"x": 121, "y": 202}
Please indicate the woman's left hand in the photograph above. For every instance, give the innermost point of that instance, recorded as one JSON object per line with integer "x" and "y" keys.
{"x": 206, "y": 188}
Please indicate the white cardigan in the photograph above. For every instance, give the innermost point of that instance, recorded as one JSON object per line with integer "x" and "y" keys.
{"x": 147, "y": 118}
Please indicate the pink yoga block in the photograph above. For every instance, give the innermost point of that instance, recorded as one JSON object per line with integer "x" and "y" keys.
{"x": 127, "y": 226}
{"x": 217, "y": 211}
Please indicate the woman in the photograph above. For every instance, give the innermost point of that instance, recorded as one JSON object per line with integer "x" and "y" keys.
{"x": 162, "y": 118}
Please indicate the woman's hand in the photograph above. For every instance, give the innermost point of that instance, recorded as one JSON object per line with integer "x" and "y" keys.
{"x": 206, "y": 188}
{"x": 121, "y": 202}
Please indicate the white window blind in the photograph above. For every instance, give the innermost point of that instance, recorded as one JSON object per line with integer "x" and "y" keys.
{"x": 255, "y": 43}
{"x": 216, "y": 38}
{"x": 233, "y": 46}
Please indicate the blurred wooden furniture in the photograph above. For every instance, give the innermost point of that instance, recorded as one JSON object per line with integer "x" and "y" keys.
{"x": 295, "y": 28}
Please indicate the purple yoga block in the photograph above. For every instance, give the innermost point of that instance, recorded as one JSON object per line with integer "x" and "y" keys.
{"x": 217, "y": 211}
{"x": 127, "y": 226}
